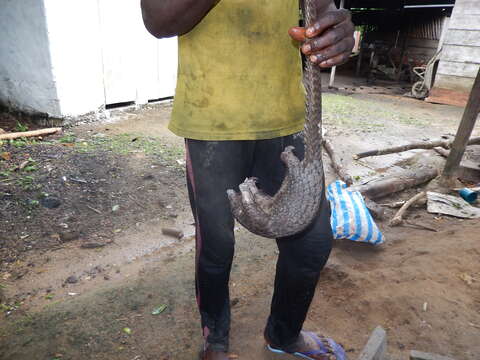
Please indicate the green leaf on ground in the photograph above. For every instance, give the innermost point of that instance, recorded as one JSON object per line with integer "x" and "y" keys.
{"x": 159, "y": 309}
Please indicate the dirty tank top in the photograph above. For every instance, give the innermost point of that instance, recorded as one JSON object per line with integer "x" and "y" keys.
{"x": 240, "y": 74}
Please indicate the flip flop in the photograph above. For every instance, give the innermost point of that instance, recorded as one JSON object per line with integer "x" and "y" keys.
{"x": 337, "y": 349}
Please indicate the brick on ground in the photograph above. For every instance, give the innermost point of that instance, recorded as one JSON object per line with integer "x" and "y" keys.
{"x": 376, "y": 347}
{"x": 419, "y": 355}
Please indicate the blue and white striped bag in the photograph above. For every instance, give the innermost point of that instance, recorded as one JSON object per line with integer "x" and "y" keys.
{"x": 350, "y": 217}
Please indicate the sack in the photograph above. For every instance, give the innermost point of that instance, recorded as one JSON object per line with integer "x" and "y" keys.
{"x": 350, "y": 217}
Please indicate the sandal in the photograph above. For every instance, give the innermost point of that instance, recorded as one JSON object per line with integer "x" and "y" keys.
{"x": 332, "y": 351}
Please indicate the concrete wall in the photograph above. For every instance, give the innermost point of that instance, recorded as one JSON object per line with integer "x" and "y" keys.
{"x": 70, "y": 57}
{"x": 460, "y": 60}
{"x": 26, "y": 77}
{"x": 137, "y": 66}
{"x": 75, "y": 50}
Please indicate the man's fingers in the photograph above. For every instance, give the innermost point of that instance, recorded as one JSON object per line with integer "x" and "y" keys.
{"x": 324, "y": 56}
{"x": 335, "y": 61}
{"x": 329, "y": 41}
{"x": 328, "y": 38}
{"x": 297, "y": 33}
{"x": 328, "y": 20}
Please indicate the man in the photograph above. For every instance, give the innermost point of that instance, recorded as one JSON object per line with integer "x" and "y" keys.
{"x": 239, "y": 103}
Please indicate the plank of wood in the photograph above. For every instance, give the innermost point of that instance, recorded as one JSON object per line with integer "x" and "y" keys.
{"x": 452, "y": 82}
{"x": 461, "y": 53}
{"x": 465, "y": 21}
{"x": 458, "y": 69}
{"x": 448, "y": 97}
{"x": 462, "y": 37}
{"x": 466, "y": 7}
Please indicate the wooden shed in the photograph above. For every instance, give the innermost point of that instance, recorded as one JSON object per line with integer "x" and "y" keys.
{"x": 460, "y": 57}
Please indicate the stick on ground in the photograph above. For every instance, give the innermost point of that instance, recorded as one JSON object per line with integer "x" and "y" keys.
{"x": 446, "y": 144}
{"x": 337, "y": 164}
{"x": 33, "y": 133}
{"x": 398, "y": 218}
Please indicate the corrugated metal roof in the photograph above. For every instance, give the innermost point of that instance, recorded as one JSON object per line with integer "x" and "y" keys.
{"x": 429, "y": 6}
{"x": 398, "y": 4}
{"x": 427, "y": 29}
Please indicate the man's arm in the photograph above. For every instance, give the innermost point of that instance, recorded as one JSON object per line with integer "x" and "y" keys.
{"x": 165, "y": 18}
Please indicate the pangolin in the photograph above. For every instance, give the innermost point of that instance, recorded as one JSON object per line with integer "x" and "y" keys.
{"x": 297, "y": 201}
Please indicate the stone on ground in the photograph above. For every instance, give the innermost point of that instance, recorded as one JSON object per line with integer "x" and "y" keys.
{"x": 376, "y": 347}
{"x": 419, "y": 355}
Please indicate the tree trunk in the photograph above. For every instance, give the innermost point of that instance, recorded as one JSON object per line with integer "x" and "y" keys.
{"x": 463, "y": 134}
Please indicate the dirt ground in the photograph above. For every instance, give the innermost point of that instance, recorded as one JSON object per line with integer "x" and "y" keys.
{"x": 84, "y": 263}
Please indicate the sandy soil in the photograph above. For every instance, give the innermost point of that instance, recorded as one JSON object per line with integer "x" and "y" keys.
{"x": 423, "y": 287}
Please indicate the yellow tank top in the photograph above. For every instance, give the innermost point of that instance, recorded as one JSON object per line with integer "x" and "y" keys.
{"x": 240, "y": 74}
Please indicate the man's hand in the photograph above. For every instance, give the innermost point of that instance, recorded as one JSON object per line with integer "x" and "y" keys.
{"x": 329, "y": 41}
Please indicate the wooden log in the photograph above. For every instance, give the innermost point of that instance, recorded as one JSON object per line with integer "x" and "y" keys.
{"x": 33, "y": 133}
{"x": 441, "y": 151}
{"x": 444, "y": 143}
{"x": 462, "y": 137}
{"x": 404, "y": 180}
{"x": 398, "y": 218}
{"x": 336, "y": 163}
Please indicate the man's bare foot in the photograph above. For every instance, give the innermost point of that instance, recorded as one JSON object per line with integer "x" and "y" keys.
{"x": 211, "y": 354}
{"x": 312, "y": 346}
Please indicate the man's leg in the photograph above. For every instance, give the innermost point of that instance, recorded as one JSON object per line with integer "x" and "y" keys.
{"x": 212, "y": 168}
{"x": 300, "y": 261}
{"x": 302, "y": 256}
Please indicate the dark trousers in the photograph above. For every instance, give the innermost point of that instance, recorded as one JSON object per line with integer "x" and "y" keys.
{"x": 212, "y": 168}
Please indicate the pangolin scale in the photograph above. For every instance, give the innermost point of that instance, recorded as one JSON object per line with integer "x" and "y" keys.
{"x": 297, "y": 201}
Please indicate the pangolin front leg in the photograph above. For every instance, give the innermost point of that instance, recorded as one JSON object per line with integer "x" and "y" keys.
{"x": 252, "y": 207}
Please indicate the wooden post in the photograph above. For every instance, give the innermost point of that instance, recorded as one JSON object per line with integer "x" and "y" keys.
{"x": 334, "y": 69}
{"x": 463, "y": 133}
{"x": 402, "y": 55}
{"x": 359, "y": 61}
{"x": 332, "y": 76}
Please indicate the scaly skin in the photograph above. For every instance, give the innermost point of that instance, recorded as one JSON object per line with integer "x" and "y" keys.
{"x": 297, "y": 202}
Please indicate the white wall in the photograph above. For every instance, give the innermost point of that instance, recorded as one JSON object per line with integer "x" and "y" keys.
{"x": 70, "y": 57}
{"x": 26, "y": 78}
{"x": 102, "y": 54}
{"x": 137, "y": 66}
{"x": 75, "y": 48}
